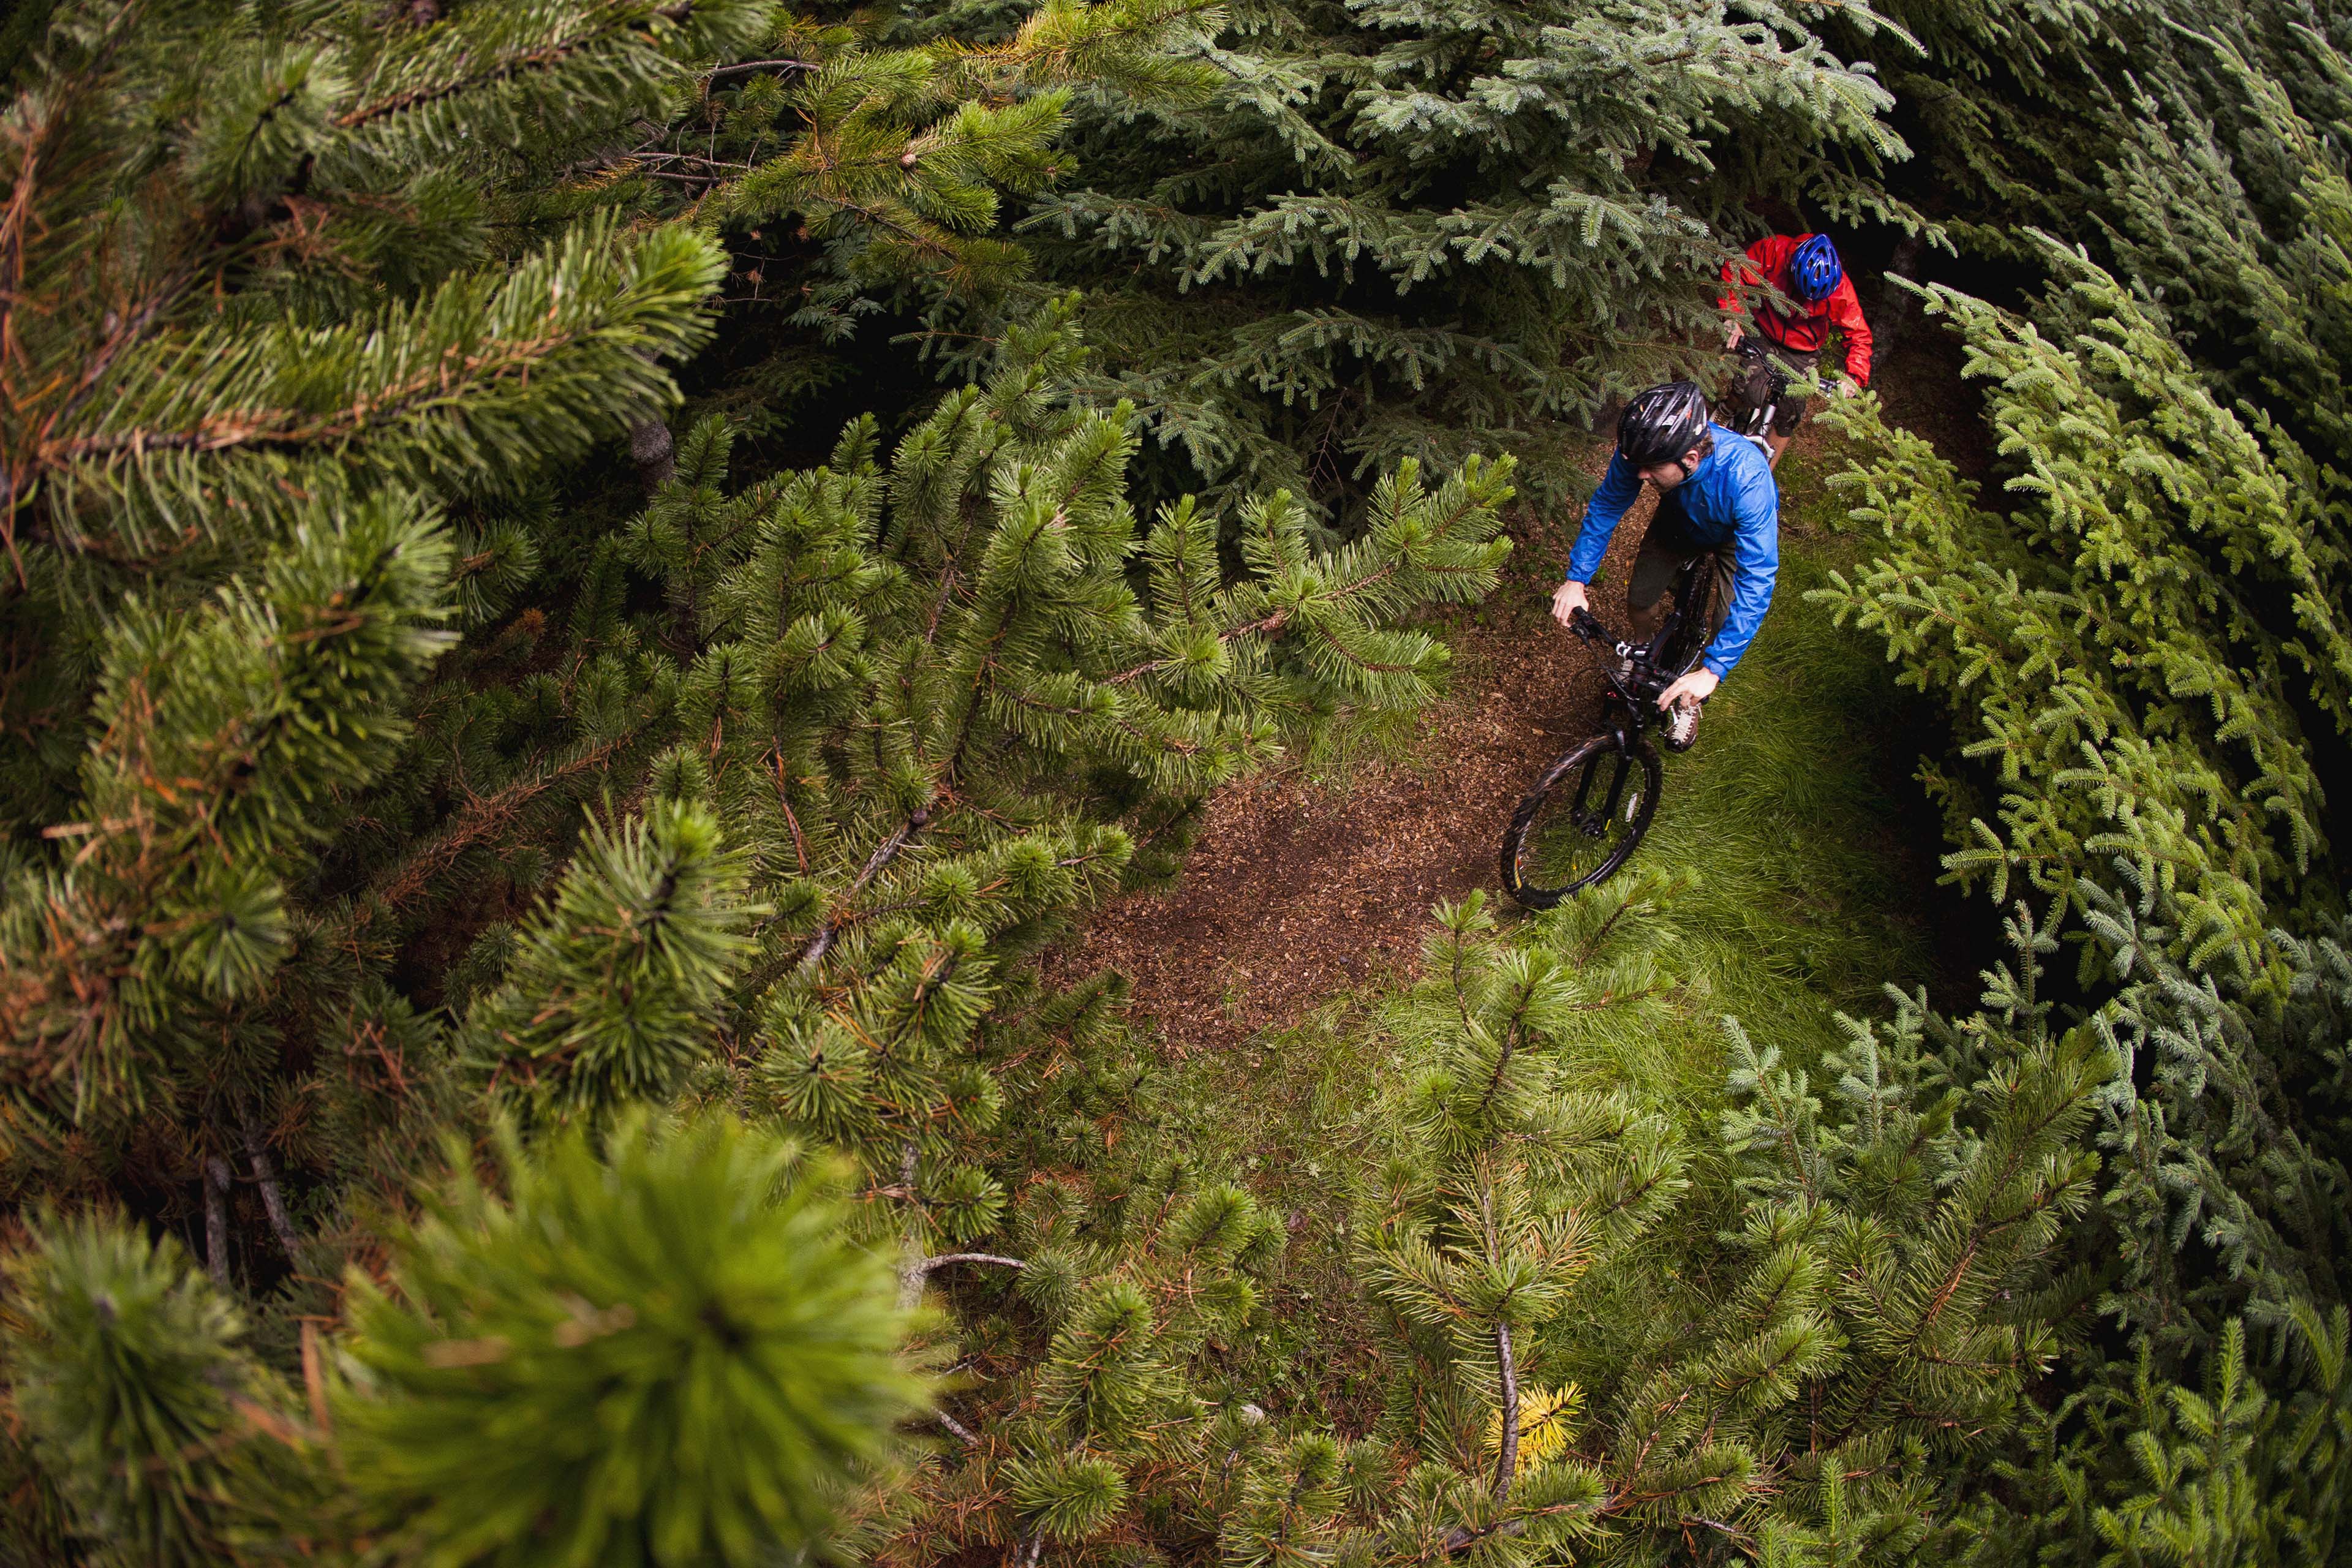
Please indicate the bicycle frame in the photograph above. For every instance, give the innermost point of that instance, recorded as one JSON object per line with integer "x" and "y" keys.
{"x": 1756, "y": 423}
{"x": 1637, "y": 689}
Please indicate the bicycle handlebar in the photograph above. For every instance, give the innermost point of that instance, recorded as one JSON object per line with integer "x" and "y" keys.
{"x": 1640, "y": 678}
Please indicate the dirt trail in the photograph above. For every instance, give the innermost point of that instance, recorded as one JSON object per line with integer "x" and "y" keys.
{"x": 1295, "y": 892}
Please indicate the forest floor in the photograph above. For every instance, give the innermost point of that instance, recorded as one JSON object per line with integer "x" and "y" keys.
{"x": 1309, "y": 882}
{"x": 1800, "y": 842}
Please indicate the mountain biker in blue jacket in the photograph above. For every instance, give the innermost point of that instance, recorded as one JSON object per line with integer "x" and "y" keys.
{"x": 1716, "y": 497}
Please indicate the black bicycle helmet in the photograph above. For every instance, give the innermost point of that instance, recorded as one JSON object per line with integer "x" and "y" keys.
{"x": 1662, "y": 424}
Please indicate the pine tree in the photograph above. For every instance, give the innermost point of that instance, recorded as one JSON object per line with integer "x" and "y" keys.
{"x": 2118, "y": 691}
{"x": 1403, "y": 230}
{"x": 851, "y": 742}
{"x": 857, "y": 164}
{"x": 936, "y": 706}
{"x": 1602, "y": 1338}
{"x": 2153, "y": 776}
{"x": 936, "y": 702}
{"x": 1784, "y": 1381}
{"x": 2011, "y": 109}
{"x": 654, "y": 1349}
{"x": 309, "y": 326}
{"x": 2145, "y": 665}
{"x": 684, "y": 1295}
{"x": 2145, "y": 1471}
{"x": 258, "y": 346}
{"x": 288, "y": 437}
{"x": 1112, "y": 1412}
{"x": 156, "y": 1436}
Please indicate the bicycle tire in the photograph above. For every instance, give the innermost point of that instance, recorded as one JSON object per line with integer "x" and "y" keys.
{"x": 1527, "y": 843}
{"x": 1688, "y": 644}
{"x": 1753, "y": 417}
{"x": 1750, "y": 421}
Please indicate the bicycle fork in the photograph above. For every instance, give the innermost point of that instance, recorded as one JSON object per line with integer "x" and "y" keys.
{"x": 1580, "y": 811}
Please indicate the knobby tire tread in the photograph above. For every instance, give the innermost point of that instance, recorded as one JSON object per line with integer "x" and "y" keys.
{"x": 1514, "y": 838}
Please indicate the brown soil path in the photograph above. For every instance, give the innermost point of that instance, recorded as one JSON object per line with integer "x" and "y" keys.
{"x": 1295, "y": 892}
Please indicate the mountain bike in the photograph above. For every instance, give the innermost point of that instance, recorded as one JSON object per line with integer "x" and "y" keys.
{"x": 1585, "y": 815}
{"x": 1755, "y": 421}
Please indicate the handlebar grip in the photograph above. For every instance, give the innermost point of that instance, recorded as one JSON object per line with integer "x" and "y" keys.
{"x": 1584, "y": 625}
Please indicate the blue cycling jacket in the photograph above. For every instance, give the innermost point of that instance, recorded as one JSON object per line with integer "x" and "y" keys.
{"x": 1729, "y": 499}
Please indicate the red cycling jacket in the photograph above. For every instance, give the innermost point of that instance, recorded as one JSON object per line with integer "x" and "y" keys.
{"x": 1767, "y": 262}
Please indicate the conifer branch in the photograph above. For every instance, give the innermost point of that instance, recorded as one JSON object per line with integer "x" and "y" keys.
{"x": 742, "y": 67}
{"x": 884, "y": 853}
{"x": 1268, "y": 625}
{"x": 1506, "y": 1460}
{"x": 482, "y": 819}
{"x": 940, "y": 1261}
{"x": 521, "y": 63}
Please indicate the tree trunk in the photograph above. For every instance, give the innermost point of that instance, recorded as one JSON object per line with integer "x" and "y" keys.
{"x": 264, "y": 1175}
{"x": 910, "y": 1263}
{"x": 1896, "y": 308}
{"x": 650, "y": 447}
{"x": 653, "y": 451}
{"x": 216, "y": 1219}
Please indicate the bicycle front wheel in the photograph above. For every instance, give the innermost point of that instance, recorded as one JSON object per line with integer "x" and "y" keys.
{"x": 1582, "y": 821}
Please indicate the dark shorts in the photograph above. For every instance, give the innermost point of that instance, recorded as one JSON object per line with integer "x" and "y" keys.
{"x": 1666, "y": 550}
{"x": 1751, "y": 383}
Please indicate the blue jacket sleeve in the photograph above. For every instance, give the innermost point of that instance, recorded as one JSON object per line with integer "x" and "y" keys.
{"x": 1618, "y": 488}
{"x": 1756, "y": 562}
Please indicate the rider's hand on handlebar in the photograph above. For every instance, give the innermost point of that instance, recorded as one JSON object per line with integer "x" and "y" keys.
{"x": 1566, "y": 600}
{"x": 1731, "y": 335}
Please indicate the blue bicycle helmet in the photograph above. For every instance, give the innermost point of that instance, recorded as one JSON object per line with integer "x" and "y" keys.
{"x": 1815, "y": 271}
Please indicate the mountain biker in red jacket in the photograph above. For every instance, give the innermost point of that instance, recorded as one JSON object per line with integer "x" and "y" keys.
{"x": 1806, "y": 270}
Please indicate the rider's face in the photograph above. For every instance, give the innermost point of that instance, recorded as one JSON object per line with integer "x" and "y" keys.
{"x": 1666, "y": 476}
